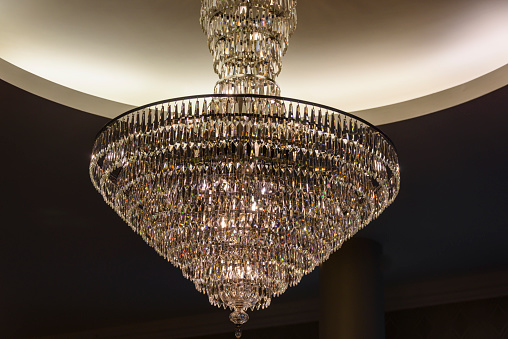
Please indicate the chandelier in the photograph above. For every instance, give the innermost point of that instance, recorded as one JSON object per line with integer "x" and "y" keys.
{"x": 243, "y": 190}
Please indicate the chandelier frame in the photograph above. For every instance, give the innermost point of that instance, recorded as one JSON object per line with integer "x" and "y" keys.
{"x": 275, "y": 97}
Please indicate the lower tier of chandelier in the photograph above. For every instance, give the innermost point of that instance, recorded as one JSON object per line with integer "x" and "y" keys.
{"x": 244, "y": 193}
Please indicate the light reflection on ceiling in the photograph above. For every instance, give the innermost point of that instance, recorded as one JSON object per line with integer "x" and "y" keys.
{"x": 353, "y": 55}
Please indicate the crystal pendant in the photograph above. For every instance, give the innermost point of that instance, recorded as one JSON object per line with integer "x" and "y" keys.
{"x": 238, "y": 331}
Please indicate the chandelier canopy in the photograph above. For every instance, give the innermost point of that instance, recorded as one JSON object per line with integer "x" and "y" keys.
{"x": 243, "y": 190}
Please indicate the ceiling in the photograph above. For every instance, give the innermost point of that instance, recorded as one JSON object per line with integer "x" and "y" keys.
{"x": 69, "y": 263}
{"x": 353, "y": 55}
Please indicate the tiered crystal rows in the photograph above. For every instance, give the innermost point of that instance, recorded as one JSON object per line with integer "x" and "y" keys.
{"x": 247, "y": 40}
{"x": 245, "y": 191}
{"x": 245, "y": 194}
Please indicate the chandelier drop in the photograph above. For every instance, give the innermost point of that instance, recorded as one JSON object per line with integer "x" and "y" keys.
{"x": 243, "y": 190}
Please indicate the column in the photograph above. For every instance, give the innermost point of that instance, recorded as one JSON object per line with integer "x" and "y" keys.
{"x": 351, "y": 292}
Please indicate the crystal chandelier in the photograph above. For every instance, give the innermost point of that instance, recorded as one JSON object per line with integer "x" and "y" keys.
{"x": 243, "y": 190}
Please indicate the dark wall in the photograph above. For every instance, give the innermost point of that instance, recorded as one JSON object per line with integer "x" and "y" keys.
{"x": 482, "y": 319}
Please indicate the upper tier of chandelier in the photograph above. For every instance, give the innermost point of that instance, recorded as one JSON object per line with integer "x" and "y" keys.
{"x": 247, "y": 40}
{"x": 245, "y": 191}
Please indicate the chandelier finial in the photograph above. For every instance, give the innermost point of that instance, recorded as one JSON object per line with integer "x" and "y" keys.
{"x": 238, "y": 331}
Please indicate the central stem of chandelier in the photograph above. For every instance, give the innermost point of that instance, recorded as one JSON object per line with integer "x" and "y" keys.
{"x": 244, "y": 190}
{"x": 247, "y": 40}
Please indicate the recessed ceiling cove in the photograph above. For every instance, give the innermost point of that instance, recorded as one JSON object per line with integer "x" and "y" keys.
{"x": 360, "y": 56}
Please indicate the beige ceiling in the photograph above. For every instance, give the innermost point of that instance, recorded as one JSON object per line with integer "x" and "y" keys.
{"x": 387, "y": 59}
